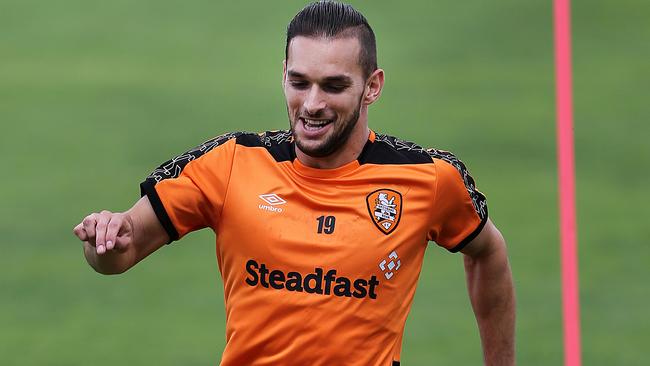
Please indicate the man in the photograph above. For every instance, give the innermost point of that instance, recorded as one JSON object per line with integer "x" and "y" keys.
{"x": 321, "y": 229}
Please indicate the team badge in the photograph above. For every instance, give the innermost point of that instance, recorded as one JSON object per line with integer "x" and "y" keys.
{"x": 385, "y": 209}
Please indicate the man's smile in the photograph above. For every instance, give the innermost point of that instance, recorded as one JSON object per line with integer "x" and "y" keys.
{"x": 314, "y": 124}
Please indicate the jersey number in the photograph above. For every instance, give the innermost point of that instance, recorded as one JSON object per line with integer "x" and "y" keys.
{"x": 326, "y": 224}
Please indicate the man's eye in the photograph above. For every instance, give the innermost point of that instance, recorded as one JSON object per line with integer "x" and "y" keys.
{"x": 299, "y": 84}
{"x": 334, "y": 88}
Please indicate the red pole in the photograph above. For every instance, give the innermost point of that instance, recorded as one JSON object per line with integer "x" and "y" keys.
{"x": 566, "y": 175}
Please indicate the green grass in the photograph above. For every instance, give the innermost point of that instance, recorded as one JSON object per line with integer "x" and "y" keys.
{"x": 93, "y": 95}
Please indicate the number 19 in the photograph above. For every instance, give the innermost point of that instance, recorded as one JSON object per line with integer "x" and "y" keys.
{"x": 326, "y": 224}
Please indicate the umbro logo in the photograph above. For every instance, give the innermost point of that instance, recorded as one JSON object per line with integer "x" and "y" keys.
{"x": 272, "y": 200}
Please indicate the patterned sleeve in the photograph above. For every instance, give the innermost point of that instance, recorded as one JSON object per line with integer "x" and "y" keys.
{"x": 460, "y": 210}
{"x": 187, "y": 191}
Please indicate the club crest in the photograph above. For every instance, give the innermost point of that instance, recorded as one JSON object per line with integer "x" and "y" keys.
{"x": 385, "y": 209}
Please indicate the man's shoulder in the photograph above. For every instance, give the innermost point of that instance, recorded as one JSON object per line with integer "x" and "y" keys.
{"x": 251, "y": 139}
{"x": 278, "y": 143}
{"x": 389, "y": 149}
{"x": 265, "y": 138}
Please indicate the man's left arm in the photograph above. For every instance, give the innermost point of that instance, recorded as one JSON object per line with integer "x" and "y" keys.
{"x": 491, "y": 291}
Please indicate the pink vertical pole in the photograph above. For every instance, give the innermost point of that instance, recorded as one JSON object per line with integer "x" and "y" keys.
{"x": 566, "y": 167}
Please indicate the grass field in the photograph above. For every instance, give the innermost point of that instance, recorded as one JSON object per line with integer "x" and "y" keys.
{"x": 93, "y": 95}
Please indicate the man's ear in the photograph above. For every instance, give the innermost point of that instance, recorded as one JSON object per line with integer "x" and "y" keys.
{"x": 374, "y": 86}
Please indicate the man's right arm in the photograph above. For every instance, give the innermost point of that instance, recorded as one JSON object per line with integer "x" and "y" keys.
{"x": 113, "y": 242}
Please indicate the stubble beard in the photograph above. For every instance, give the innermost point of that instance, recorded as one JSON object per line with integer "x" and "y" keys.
{"x": 333, "y": 142}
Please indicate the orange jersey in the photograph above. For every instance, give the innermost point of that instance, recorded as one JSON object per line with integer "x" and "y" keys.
{"x": 319, "y": 266}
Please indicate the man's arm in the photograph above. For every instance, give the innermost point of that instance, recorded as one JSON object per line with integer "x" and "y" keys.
{"x": 113, "y": 242}
{"x": 491, "y": 291}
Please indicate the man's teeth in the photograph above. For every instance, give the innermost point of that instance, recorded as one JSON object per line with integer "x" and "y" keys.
{"x": 315, "y": 123}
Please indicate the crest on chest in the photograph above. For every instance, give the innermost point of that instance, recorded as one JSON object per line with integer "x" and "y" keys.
{"x": 385, "y": 209}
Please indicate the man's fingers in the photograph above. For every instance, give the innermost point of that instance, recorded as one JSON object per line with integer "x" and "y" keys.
{"x": 100, "y": 231}
{"x": 80, "y": 232}
{"x": 113, "y": 229}
{"x": 88, "y": 225}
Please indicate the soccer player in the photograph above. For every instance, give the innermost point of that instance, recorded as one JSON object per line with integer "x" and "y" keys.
{"x": 320, "y": 229}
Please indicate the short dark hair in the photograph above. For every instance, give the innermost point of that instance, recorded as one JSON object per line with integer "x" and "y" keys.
{"x": 331, "y": 19}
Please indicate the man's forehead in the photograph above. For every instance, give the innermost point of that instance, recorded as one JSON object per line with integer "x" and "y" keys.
{"x": 323, "y": 57}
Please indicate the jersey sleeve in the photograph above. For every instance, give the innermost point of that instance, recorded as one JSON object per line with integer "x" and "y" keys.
{"x": 459, "y": 209}
{"x": 187, "y": 192}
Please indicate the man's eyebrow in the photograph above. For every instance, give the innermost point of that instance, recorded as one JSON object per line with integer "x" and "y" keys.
{"x": 343, "y": 79}
{"x": 295, "y": 74}
{"x": 338, "y": 79}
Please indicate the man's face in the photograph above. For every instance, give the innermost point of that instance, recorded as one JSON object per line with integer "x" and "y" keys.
{"x": 323, "y": 85}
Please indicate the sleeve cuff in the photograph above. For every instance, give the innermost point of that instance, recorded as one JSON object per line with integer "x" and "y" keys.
{"x": 147, "y": 188}
{"x": 470, "y": 237}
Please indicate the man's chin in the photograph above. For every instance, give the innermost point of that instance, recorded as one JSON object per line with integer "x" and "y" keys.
{"x": 315, "y": 150}
{"x": 314, "y": 147}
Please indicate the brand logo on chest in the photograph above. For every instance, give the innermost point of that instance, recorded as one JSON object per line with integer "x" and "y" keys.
{"x": 272, "y": 200}
{"x": 385, "y": 209}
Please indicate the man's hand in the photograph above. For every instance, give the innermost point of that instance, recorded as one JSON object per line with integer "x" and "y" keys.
{"x": 115, "y": 242}
{"x": 106, "y": 231}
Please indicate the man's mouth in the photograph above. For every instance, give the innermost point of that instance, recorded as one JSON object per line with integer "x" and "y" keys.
{"x": 314, "y": 124}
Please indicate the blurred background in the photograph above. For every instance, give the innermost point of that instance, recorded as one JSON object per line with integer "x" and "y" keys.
{"x": 95, "y": 94}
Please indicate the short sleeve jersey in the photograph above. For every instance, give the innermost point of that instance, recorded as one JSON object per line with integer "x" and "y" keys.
{"x": 319, "y": 266}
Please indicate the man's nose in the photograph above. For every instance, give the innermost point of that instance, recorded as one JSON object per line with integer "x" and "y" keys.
{"x": 314, "y": 101}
